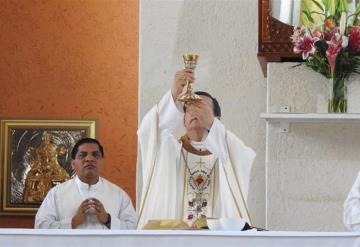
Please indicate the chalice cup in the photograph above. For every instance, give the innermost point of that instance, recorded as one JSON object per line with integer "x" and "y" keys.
{"x": 190, "y": 63}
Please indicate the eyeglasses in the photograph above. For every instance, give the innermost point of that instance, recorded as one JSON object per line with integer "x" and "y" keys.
{"x": 82, "y": 155}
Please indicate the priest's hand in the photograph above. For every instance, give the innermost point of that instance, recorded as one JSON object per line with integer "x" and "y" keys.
{"x": 100, "y": 212}
{"x": 80, "y": 215}
{"x": 180, "y": 81}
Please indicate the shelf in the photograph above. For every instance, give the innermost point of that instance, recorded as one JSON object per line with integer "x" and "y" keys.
{"x": 285, "y": 118}
{"x": 311, "y": 117}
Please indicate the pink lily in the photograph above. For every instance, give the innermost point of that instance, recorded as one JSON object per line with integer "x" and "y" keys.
{"x": 298, "y": 33}
{"x": 333, "y": 50}
{"x": 306, "y": 46}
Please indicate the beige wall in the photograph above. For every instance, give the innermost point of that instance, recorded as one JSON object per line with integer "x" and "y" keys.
{"x": 74, "y": 59}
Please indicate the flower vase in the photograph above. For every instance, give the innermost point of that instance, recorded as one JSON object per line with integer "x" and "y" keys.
{"x": 337, "y": 102}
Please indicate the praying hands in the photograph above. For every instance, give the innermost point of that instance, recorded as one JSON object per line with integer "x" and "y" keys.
{"x": 90, "y": 206}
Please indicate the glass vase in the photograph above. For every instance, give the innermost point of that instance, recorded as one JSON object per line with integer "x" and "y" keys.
{"x": 337, "y": 102}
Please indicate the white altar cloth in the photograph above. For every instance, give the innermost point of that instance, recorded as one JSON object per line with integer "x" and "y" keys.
{"x": 14, "y": 237}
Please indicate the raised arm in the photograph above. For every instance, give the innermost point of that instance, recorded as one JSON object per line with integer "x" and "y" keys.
{"x": 168, "y": 113}
{"x": 232, "y": 151}
{"x": 215, "y": 140}
{"x": 159, "y": 123}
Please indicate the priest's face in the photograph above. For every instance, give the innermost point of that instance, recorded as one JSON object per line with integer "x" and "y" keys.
{"x": 88, "y": 162}
{"x": 197, "y": 114}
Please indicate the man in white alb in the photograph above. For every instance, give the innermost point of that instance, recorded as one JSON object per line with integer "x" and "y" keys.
{"x": 203, "y": 174}
{"x": 86, "y": 201}
{"x": 351, "y": 215}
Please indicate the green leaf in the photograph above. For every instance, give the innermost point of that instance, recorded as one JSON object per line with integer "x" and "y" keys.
{"x": 343, "y": 6}
{"x": 308, "y": 16}
{"x": 357, "y": 8}
{"x": 318, "y": 5}
{"x": 315, "y": 12}
{"x": 326, "y": 4}
{"x": 332, "y": 6}
{"x": 356, "y": 14}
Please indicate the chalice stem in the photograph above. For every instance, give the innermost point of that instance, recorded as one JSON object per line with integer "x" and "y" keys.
{"x": 188, "y": 87}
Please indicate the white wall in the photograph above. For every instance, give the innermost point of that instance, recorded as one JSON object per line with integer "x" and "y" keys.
{"x": 224, "y": 34}
{"x": 311, "y": 169}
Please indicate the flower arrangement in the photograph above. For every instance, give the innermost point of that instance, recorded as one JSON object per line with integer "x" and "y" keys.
{"x": 331, "y": 46}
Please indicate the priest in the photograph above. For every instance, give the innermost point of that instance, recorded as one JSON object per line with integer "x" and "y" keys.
{"x": 205, "y": 173}
{"x": 86, "y": 201}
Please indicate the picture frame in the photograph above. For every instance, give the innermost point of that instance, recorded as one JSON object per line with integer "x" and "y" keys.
{"x": 35, "y": 156}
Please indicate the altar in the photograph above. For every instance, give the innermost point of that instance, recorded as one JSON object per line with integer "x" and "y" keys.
{"x": 61, "y": 237}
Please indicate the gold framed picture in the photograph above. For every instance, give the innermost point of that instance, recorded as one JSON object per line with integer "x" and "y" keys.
{"x": 35, "y": 156}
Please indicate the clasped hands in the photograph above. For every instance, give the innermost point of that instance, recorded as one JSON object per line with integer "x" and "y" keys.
{"x": 90, "y": 206}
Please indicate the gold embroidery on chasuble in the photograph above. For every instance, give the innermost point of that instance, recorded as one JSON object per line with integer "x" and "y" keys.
{"x": 199, "y": 183}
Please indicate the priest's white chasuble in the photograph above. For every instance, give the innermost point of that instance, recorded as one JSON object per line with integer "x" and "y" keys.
{"x": 199, "y": 185}
{"x": 180, "y": 179}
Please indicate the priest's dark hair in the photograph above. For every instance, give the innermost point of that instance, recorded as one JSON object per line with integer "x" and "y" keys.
{"x": 216, "y": 108}
{"x": 83, "y": 141}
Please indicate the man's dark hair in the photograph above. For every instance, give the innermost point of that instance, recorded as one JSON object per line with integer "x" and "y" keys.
{"x": 83, "y": 141}
{"x": 216, "y": 108}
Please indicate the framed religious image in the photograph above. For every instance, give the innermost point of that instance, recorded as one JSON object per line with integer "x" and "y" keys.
{"x": 35, "y": 156}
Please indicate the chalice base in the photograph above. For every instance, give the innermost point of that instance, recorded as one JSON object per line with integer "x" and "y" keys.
{"x": 188, "y": 97}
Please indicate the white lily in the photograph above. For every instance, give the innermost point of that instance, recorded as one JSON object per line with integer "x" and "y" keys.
{"x": 344, "y": 41}
{"x": 342, "y": 24}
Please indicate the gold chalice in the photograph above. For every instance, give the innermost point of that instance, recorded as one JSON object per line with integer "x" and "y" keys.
{"x": 190, "y": 63}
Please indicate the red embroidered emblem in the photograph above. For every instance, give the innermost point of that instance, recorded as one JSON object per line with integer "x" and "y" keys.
{"x": 199, "y": 180}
